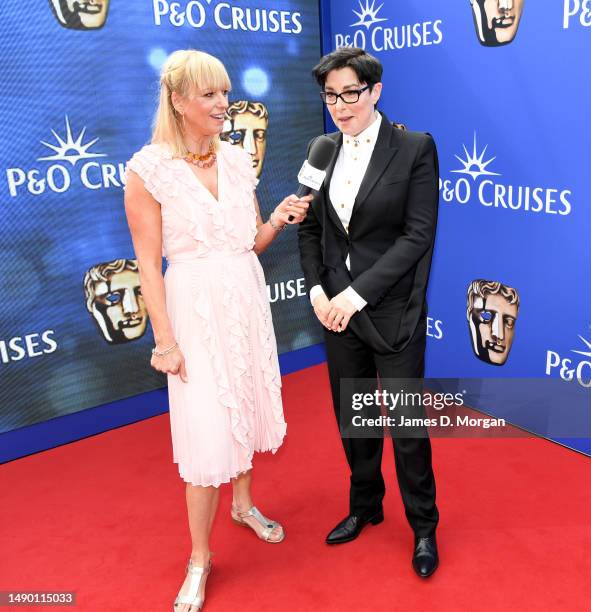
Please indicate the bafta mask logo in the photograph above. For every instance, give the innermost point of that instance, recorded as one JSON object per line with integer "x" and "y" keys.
{"x": 114, "y": 299}
{"x": 492, "y": 313}
{"x": 496, "y": 21}
{"x": 246, "y": 125}
{"x": 80, "y": 14}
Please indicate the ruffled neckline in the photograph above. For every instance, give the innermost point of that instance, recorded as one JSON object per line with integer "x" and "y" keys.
{"x": 219, "y": 201}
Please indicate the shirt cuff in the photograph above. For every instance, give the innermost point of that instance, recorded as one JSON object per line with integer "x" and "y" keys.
{"x": 315, "y": 292}
{"x": 354, "y": 298}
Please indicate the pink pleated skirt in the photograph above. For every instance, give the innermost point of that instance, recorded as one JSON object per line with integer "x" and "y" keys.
{"x": 231, "y": 405}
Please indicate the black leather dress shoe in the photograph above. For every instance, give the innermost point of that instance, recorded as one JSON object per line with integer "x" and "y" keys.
{"x": 349, "y": 528}
{"x": 425, "y": 559}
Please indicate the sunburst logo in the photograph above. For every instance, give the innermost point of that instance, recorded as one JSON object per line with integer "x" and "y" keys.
{"x": 368, "y": 14}
{"x": 70, "y": 149}
{"x": 587, "y": 343}
{"x": 474, "y": 164}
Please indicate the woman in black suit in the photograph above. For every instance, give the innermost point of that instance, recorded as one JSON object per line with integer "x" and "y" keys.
{"x": 366, "y": 249}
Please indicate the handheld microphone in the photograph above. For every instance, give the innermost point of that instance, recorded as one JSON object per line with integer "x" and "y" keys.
{"x": 312, "y": 174}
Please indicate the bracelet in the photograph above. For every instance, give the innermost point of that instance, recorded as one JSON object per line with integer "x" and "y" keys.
{"x": 275, "y": 227}
{"x": 165, "y": 351}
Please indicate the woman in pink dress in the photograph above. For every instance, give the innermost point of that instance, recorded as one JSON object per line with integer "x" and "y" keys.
{"x": 190, "y": 197}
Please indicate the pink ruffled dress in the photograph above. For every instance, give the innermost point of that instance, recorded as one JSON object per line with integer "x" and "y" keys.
{"x": 218, "y": 306}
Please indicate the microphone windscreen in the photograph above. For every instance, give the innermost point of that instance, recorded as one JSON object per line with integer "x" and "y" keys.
{"x": 321, "y": 152}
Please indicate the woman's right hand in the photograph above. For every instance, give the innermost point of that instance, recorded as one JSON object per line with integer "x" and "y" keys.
{"x": 321, "y": 307}
{"x": 173, "y": 363}
{"x": 292, "y": 210}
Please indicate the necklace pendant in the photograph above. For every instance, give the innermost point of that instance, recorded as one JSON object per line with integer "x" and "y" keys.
{"x": 202, "y": 161}
{"x": 207, "y": 163}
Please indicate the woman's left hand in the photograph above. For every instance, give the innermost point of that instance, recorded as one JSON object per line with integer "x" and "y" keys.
{"x": 294, "y": 207}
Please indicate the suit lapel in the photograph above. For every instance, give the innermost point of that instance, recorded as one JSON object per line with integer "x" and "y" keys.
{"x": 382, "y": 155}
{"x": 332, "y": 213}
{"x": 338, "y": 138}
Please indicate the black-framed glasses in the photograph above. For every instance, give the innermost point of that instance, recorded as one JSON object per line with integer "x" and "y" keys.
{"x": 348, "y": 97}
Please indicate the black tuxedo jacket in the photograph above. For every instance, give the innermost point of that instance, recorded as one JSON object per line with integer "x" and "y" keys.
{"x": 389, "y": 239}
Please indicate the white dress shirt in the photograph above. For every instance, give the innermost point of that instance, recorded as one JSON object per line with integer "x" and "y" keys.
{"x": 347, "y": 176}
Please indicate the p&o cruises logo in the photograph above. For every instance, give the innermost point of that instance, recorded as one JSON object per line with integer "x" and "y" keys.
{"x": 569, "y": 368}
{"x": 382, "y": 37}
{"x": 577, "y": 13}
{"x": 225, "y": 16}
{"x": 484, "y": 186}
{"x": 66, "y": 151}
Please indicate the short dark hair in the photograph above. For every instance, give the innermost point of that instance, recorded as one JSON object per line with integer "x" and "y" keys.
{"x": 367, "y": 67}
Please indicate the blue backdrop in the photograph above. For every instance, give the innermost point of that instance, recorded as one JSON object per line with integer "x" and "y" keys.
{"x": 77, "y": 97}
{"x": 508, "y": 105}
{"x": 510, "y": 121}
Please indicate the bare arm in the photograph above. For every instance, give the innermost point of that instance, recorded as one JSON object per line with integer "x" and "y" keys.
{"x": 290, "y": 206}
{"x": 145, "y": 225}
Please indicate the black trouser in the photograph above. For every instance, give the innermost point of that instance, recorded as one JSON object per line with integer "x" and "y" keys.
{"x": 350, "y": 357}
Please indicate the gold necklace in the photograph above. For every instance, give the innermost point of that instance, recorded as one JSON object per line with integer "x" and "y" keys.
{"x": 202, "y": 161}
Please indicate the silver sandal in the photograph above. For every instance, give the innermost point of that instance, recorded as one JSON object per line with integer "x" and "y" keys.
{"x": 192, "y": 597}
{"x": 267, "y": 524}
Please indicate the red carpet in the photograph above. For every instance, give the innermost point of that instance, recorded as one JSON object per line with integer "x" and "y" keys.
{"x": 105, "y": 517}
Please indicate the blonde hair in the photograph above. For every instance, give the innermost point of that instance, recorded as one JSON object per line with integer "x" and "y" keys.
{"x": 183, "y": 71}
